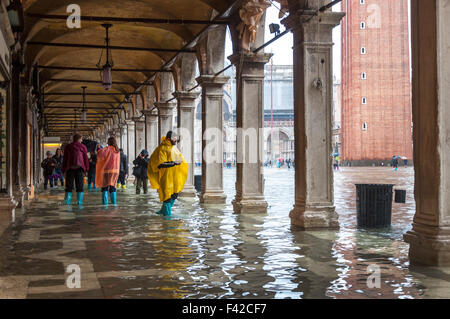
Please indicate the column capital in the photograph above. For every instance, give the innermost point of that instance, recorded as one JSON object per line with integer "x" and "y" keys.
{"x": 136, "y": 119}
{"x": 211, "y": 80}
{"x": 150, "y": 113}
{"x": 184, "y": 95}
{"x": 165, "y": 109}
{"x": 129, "y": 122}
{"x": 262, "y": 58}
{"x": 302, "y": 18}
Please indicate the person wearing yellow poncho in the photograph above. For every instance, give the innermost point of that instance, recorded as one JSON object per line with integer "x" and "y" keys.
{"x": 167, "y": 172}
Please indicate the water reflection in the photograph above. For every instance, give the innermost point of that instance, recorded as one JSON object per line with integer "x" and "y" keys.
{"x": 208, "y": 251}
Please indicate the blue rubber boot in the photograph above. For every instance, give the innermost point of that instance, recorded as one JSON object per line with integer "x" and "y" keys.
{"x": 89, "y": 186}
{"x": 80, "y": 198}
{"x": 105, "y": 198}
{"x": 114, "y": 198}
{"x": 167, "y": 209}
{"x": 68, "y": 198}
{"x": 164, "y": 208}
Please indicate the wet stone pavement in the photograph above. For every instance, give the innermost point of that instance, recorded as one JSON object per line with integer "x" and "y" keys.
{"x": 208, "y": 251}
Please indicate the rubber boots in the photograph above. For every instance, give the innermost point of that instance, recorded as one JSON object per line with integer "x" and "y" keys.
{"x": 80, "y": 198}
{"x": 105, "y": 198}
{"x": 68, "y": 198}
{"x": 89, "y": 186}
{"x": 124, "y": 186}
{"x": 114, "y": 198}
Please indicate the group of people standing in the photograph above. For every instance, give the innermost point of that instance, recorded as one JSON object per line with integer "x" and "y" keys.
{"x": 52, "y": 166}
{"x": 107, "y": 169}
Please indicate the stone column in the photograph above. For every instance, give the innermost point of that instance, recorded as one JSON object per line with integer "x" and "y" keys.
{"x": 430, "y": 237}
{"x": 165, "y": 123}
{"x": 139, "y": 137}
{"x": 313, "y": 98}
{"x": 131, "y": 151}
{"x": 151, "y": 124}
{"x": 124, "y": 138}
{"x": 250, "y": 124}
{"x": 212, "y": 138}
{"x": 186, "y": 117}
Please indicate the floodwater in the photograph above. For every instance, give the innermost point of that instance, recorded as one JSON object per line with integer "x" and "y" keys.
{"x": 208, "y": 251}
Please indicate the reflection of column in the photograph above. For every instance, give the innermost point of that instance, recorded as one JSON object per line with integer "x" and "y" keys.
{"x": 212, "y": 125}
{"x": 151, "y": 122}
{"x": 186, "y": 117}
{"x": 165, "y": 117}
{"x": 139, "y": 137}
{"x": 430, "y": 237}
{"x": 131, "y": 152}
{"x": 313, "y": 98}
{"x": 250, "y": 125}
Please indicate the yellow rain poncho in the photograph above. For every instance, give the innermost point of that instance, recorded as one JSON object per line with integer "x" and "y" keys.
{"x": 170, "y": 180}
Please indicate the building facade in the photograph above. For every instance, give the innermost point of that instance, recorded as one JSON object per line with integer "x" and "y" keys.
{"x": 376, "y": 82}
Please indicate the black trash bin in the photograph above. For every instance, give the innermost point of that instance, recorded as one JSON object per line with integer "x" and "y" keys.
{"x": 400, "y": 196}
{"x": 374, "y": 205}
{"x": 198, "y": 182}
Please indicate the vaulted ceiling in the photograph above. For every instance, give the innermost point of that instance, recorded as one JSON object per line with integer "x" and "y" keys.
{"x": 43, "y": 29}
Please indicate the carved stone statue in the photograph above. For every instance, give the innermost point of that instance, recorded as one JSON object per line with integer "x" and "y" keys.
{"x": 250, "y": 14}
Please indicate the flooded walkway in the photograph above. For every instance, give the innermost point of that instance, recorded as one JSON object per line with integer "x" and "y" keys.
{"x": 207, "y": 251}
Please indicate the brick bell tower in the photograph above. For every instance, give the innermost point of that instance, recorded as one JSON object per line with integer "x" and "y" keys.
{"x": 376, "y": 83}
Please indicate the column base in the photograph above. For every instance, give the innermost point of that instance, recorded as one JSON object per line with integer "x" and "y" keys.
{"x": 213, "y": 198}
{"x": 250, "y": 205}
{"x": 428, "y": 249}
{"x": 314, "y": 218}
{"x": 7, "y": 208}
{"x": 188, "y": 191}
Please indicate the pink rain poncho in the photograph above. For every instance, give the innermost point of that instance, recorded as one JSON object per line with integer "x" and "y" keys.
{"x": 108, "y": 167}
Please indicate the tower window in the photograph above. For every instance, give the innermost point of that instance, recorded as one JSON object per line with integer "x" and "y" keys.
{"x": 363, "y": 50}
{"x": 363, "y": 75}
{"x": 364, "y": 101}
{"x": 363, "y": 25}
{"x": 362, "y": 1}
{"x": 364, "y": 126}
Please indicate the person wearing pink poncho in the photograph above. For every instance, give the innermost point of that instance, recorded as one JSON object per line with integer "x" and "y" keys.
{"x": 107, "y": 170}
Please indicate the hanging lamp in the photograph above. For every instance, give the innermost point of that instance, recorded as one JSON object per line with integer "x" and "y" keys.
{"x": 106, "y": 73}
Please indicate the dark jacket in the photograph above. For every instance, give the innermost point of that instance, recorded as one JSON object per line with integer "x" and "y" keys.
{"x": 75, "y": 155}
{"x": 49, "y": 164}
{"x": 93, "y": 163}
{"x": 123, "y": 163}
{"x": 140, "y": 169}
{"x": 59, "y": 161}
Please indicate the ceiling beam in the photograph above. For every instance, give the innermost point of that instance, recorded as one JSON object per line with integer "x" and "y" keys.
{"x": 74, "y": 68}
{"x": 112, "y": 47}
{"x": 88, "y": 108}
{"x": 87, "y": 102}
{"x": 86, "y": 94}
{"x": 132, "y": 84}
{"x": 130, "y": 20}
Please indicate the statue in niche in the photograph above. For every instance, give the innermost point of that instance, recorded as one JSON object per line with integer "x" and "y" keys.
{"x": 250, "y": 14}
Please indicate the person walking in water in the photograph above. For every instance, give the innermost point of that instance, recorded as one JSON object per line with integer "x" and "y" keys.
{"x": 107, "y": 170}
{"x": 395, "y": 162}
{"x": 58, "y": 171}
{"x": 140, "y": 172}
{"x": 75, "y": 166}
{"x": 122, "y": 183}
{"x": 92, "y": 167}
{"x": 167, "y": 172}
{"x": 49, "y": 165}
